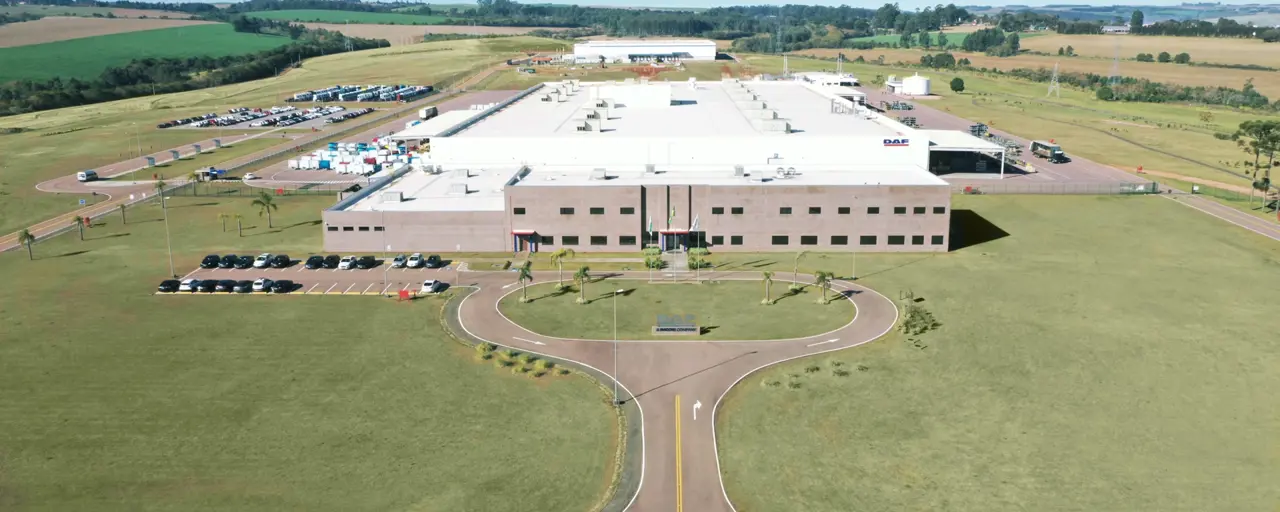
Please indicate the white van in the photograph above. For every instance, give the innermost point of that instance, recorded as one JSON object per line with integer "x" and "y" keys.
{"x": 87, "y": 176}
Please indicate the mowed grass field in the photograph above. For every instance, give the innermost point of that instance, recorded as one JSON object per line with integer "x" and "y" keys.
{"x": 64, "y": 10}
{"x": 58, "y": 28}
{"x": 61, "y": 142}
{"x": 1108, "y": 353}
{"x": 113, "y": 399}
{"x": 410, "y": 34}
{"x": 511, "y": 79}
{"x": 326, "y": 16}
{"x": 1221, "y": 50}
{"x": 88, "y": 57}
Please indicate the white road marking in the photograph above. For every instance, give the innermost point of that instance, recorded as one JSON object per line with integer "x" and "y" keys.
{"x": 311, "y": 288}
{"x": 406, "y": 287}
{"x": 531, "y": 341}
{"x": 366, "y": 289}
{"x": 510, "y": 285}
{"x": 696, "y": 405}
{"x": 823, "y": 342}
{"x": 353, "y": 285}
{"x": 326, "y": 292}
{"x": 384, "y": 290}
{"x": 301, "y": 268}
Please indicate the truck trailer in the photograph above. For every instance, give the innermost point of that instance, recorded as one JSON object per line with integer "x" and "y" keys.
{"x": 1048, "y": 151}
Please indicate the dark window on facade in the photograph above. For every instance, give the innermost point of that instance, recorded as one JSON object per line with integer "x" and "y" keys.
{"x": 333, "y": 228}
{"x": 917, "y": 239}
{"x": 627, "y": 210}
{"x": 735, "y": 240}
{"x": 717, "y": 210}
{"x": 873, "y": 210}
{"x": 808, "y": 240}
{"x": 939, "y": 209}
{"x": 599, "y": 240}
{"x": 364, "y": 228}
{"x": 919, "y": 210}
{"x": 517, "y": 211}
{"x": 897, "y": 239}
{"x": 568, "y": 240}
{"x": 867, "y": 240}
{"x": 843, "y": 210}
{"x": 815, "y": 210}
{"x": 379, "y": 228}
{"x": 935, "y": 240}
{"x": 597, "y": 210}
{"x": 547, "y": 240}
{"x": 839, "y": 240}
{"x": 626, "y": 240}
{"x": 348, "y": 228}
{"x": 736, "y": 210}
{"x": 566, "y": 211}
{"x": 785, "y": 210}
{"x": 899, "y": 210}
{"x": 780, "y": 240}
{"x": 717, "y": 239}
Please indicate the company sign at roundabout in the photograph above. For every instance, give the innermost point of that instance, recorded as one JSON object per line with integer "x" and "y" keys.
{"x": 676, "y": 325}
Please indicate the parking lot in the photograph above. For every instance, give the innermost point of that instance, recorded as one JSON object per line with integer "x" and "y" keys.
{"x": 379, "y": 280}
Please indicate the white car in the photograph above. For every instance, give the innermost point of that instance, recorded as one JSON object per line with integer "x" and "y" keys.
{"x": 189, "y": 285}
{"x": 262, "y": 261}
{"x": 250, "y": 176}
{"x": 347, "y": 263}
{"x": 415, "y": 260}
{"x": 432, "y": 286}
{"x": 262, "y": 284}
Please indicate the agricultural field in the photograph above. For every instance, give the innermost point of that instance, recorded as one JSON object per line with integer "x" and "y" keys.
{"x": 62, "y": 10}
{"x": 87, "y": 57}
{"x": 954, "y": 35}
{"x": 1078, "y": 366}
{"x": 265, "y": 403}
{"x": 325, "y": 16}
{"x": 59, "y": 28}
{"x": 400, "y": 35}
{"x": 1267, "y": 82}
{"x": 1218, "y": 50}
{"x": 60, "y": 142}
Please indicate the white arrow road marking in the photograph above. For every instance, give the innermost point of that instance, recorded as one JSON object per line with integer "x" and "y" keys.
{"x": 696, "y": 405}
{"x": 823, "y": 342}
{"x": 531, "y": 341}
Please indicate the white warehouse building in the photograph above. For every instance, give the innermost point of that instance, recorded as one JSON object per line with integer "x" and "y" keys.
{"x": 643, "y": 50}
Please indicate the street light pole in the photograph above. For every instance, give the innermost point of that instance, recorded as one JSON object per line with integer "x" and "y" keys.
{"x": 167, "y": 240}
{"x": 616, "y": 401}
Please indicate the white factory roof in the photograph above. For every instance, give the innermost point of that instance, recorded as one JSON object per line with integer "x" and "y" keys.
{"x": 709, "y": 109}
{"x": 755, "y": 177}
{"x": 952, "y": 140}
{"x": 443, "y": 192}
{"x": 436, "y": 125}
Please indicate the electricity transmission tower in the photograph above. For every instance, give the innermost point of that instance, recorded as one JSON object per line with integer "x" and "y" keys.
{"x": 1054, "y": 89}
{"x": 1115, "y": 64}
{"x": 840, "y": 64}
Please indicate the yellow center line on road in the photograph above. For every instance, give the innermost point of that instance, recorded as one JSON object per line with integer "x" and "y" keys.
{"x": 679, "y": 469}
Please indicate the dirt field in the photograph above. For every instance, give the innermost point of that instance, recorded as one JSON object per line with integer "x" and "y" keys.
{"x": 409, "y": 34}
{"x": 57, "y": 28}
{"x": 1267, "y": 82}
{"x": 1202, "y": 49}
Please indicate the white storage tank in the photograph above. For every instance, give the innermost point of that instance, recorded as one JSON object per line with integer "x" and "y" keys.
{"x": 915, "y": 85}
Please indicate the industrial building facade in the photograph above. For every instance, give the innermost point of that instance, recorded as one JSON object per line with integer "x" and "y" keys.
{"x": 732, "y": 166}
{"x": 645, "y": 50}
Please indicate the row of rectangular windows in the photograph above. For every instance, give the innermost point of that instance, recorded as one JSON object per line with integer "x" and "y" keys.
{"x": 738, "y": 210}
{"x": 355, "y": 228}
{"x": 737, "y": 240}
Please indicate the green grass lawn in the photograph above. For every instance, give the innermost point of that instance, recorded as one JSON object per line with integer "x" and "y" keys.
{"x": 725, "y": 310}
{"x": 327, "y": 16}
{"x": 112, "y": 398}
{"x": 1109, "y": 353}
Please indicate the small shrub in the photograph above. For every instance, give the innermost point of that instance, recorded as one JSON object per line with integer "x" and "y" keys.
{"x": 793, "y": 376}
{"x": 518, "y": 370}
{"x": 837, "y": 364}
{"x": 501, "y": 363}
{"x": 510, "y": 354}
{"x": 840, "y": 372}
{"x": 484, "y": 348}
{"x": 485, "y": 356}
{"x": 795, "y": 384}
{"x": 862, "y": 368}
{"x": 562, "y": 371}
{"x": 528, "y": 358}
{"x": 813, "y": 368}
{"x": 537, "y": 374}
{"x": 770, "y": 383}
{"x": 543, "y": 365}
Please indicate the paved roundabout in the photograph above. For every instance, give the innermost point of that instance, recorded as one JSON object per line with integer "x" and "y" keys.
{"x": 675, "y": 386}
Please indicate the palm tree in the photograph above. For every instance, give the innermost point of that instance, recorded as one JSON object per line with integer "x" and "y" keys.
{"x": 160, "y": 185}
{"x": 795, "y": 271}
{"x": 822, "y": 279}
{"x": 767, "y": 276}
{"x": 524, "y": 275}
{"x": 26, "y": 238}
{"x": 78, "y": 222}
{"x": 239, "y": 226}
{"x": 558, "y": 258}
{"x": 222, "y": 217}
{"x": 580, "y": 278}
{"x": 265, "y": 203}
{"x": 123, "y": 220}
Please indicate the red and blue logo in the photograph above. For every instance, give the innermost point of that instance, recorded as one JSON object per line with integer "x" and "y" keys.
{"x": 896, "y": 142}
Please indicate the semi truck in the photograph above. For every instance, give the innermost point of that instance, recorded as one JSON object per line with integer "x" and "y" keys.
{"x": 1048, "y": 151}
{"x": 428, "y": 113}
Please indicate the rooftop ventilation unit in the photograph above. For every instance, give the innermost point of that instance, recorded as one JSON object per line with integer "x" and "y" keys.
{"x": 392, "y": 196}
{"x": 649, "y": 169}
{"x": 462, "y": 173}
{"x": 586, "y": 126}
{"x": 458, "y": 189}
{"x": 599, "y": 174}
{"x": 739, "y": 171}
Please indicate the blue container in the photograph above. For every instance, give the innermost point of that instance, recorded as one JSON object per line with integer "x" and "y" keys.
{"x": 324, "y": 164}
{"x": 333, "y": 146}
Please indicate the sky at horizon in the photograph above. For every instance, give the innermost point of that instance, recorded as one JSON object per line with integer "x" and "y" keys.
{"x": 905, "y": 4}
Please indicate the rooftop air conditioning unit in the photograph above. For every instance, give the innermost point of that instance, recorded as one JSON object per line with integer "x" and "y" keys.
{"x": 462, "y": 173}
{"x": 739, "y": 171}
{"x": 392, "y": 196}
{"x": 599, "y": 174}
{"x": 649, "y": 169}
{"x": 458, "y": 189}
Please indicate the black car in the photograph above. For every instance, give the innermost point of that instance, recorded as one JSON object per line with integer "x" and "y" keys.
{"x": 244, "y": 262}
{"x": 315, "y": 262}
{"x": 331, "y": 261}
{"x": 243, "y": 287}
{"x": 225, "y": 285}
{"x": 364, "y": 262}
{"x": 228, "y": 261}
{"x": 282, "y": 286}
{"x": 210, "y": 261}
{"x": 280, "y": 261}
{"x": 169, "y": 286}
{"x": 208, "y": 285}
{"x": 433, "y": 261}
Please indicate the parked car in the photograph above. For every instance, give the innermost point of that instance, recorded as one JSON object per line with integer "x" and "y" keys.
{"x": 168, "y": 286}
{"x": 228, "y": 261}
{"x": 243, "y": 287}
{"x": 434, "y": 261}
{"x": 189, "y": 285}
{"x": 415, "y": 260}
{"x": 399, "y": 261}
{"x": 366, "y": 262}
{"x": 262, "y": 284}
{"x": 250, "y": 176}
{"x": 282, "y": 286}
{"x": 262, "y": 261}
{"x": 314, "y": 262}
{"x": 347, "y": 263}
{"x": 208, "y": 285}
{"x": 225, "y": 285}
{"x": 210, "y": 261}
{"x": 331, "y": 261}
{"x": 280, "y": 261}
{"x": 431, "y": 286}
{"x": 244, "y": 262}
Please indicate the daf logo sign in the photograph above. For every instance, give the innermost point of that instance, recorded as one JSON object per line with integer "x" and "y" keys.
{"x": 896, "y": 142}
